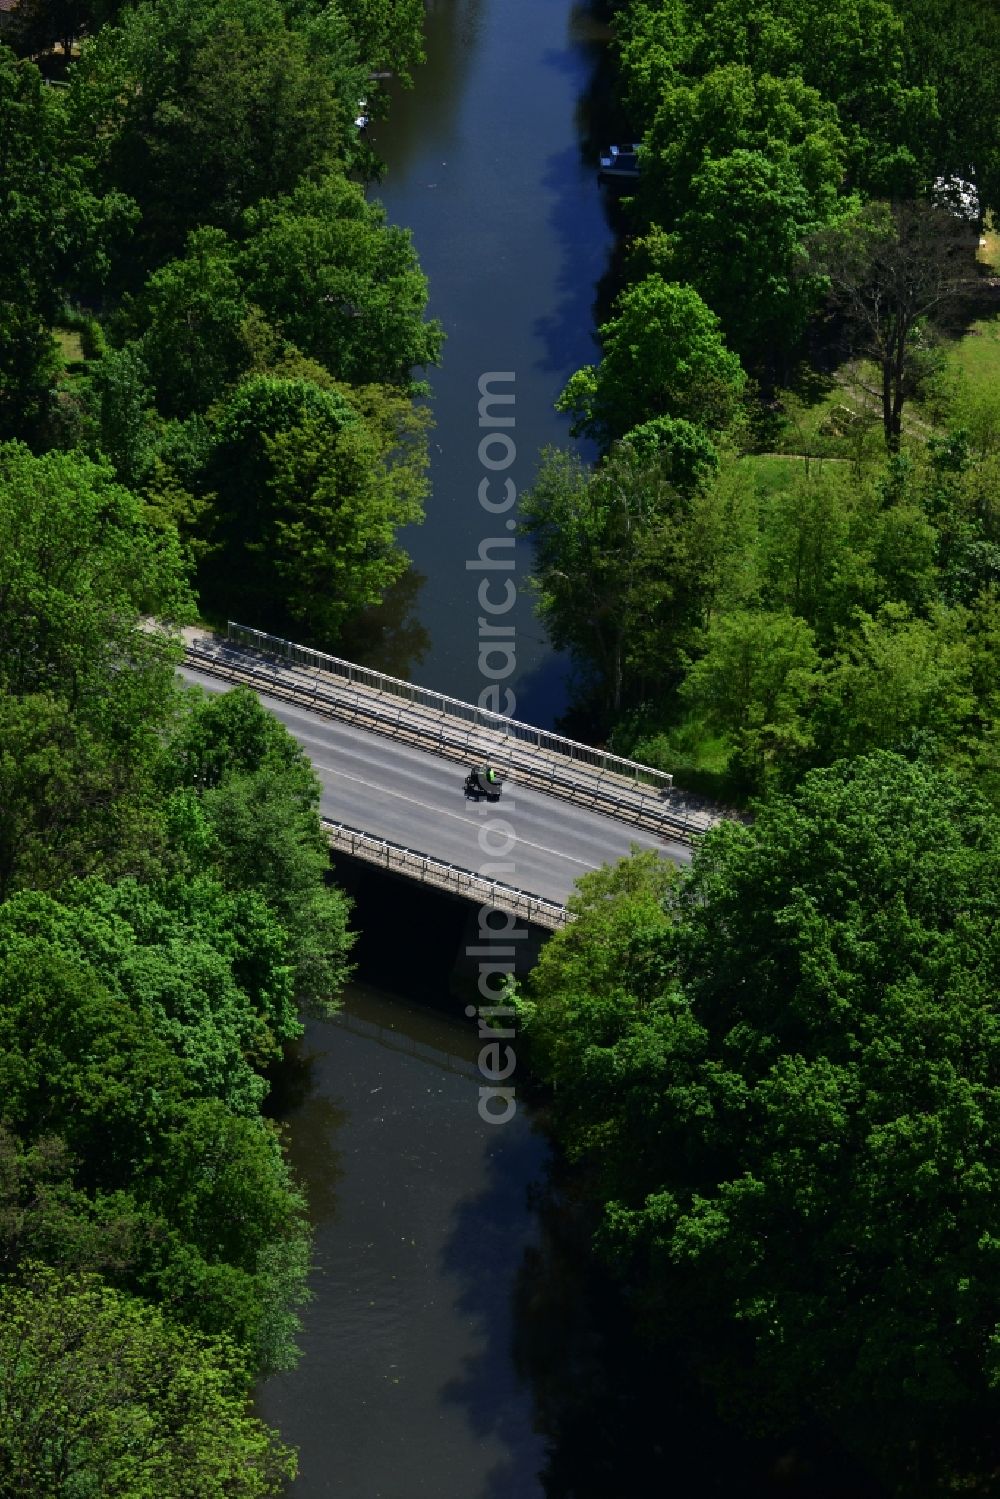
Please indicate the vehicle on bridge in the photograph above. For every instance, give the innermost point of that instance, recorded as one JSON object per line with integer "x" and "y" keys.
{"x": 484, "y": 781}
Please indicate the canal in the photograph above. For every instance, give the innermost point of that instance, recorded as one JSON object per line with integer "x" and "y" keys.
{"x": 459, "y": 1343}
{"x": 491, "y": 165}
{"x": 418, "y": 1346}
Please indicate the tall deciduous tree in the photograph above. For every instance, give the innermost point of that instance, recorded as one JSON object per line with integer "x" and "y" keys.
{"x": 754, "y": 682}
{"x": 54, "y": 230}
{"x": 663, "y": 355}
{"x": 201, "y": 110}
{"x": 102, "y": 1394}
{"x": 79, "y": 565}
{"x": 340, "y": 283}
{"x": 852, "y": 53}
{"x": 890, "y": 268}
{"x": 783, "y": 1085}
{"x": 311, "y": 487}
{"x": 616, "y": 574}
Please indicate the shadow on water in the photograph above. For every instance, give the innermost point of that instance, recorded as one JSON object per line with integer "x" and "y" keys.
{"x": 620, "y": 1419}
{"x": 319, "y": 1121}
{"x": 390, "y": 636}
{"x": 624, "y": 1418}
{"x": 478, "y": 1257}
{"x": 433, "y": 106}
{"x": 566, "y": 332}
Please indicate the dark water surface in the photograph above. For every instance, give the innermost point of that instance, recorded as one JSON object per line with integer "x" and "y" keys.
{"x": 408, "y": 1384}
{"x": 490, "y": 165}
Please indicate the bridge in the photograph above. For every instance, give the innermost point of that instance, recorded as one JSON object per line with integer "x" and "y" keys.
{"x": 391, "y": 759}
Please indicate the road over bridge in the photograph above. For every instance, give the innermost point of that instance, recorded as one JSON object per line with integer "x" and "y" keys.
{"x": 396, "y": 801}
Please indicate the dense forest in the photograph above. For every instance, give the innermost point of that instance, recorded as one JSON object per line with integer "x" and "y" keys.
{"x": 789, "y": 551}
{"x": 207, "y": 346}
{"x": 775, "y": 1075}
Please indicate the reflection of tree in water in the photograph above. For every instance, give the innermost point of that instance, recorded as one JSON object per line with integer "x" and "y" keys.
{"x": 430, "y": 110}
{"x": 390, "y": 636}
{"x": 626, "y": 1420}
{"x": 311, "y": 1122}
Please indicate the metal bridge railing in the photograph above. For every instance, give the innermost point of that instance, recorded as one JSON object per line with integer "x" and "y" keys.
{"x": 451, "y": 707}
{"x": 399, "y": 859}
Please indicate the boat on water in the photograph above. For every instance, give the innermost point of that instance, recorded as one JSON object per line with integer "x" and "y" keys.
{"x": 620, "y": 161}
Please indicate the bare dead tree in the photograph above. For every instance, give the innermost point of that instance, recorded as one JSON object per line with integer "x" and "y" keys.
{"x": 892, "y": 269}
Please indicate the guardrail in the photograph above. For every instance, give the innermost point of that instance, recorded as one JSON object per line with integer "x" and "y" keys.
{"x": 440, "y": 703}
{"x": 444, "y": 876}
{"x": 656, "y": 809}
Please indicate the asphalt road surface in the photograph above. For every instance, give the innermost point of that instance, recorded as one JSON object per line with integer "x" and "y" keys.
{"x": 412, "y": 797}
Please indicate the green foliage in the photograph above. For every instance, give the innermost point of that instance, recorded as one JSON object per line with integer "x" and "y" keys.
{"x": 310, "y": 486}
{"x": 958, "y": 59}
{"x": 730, "y": 109}
{"x": 898, "y": 677}
{"x": 79, "y": 564}
{"x": 113, "y": 1069}
{"x": 190, "y": 322}
{"x": 229, "y": 87}
{"x": 887, "y": 581}
{"x": 740, "y": 169}
{"x": 684, "y": 452}
{"x": 779, "y": 1084}
{"x": 851, "y": 52}
{"x": 617, "y": 575}
{"x": 55, "y": 231}
{"x": 389, "y": 33}
{"x": 257, "y": 806}
{"x": 892, "y": 269}
{"x": 739, "y": 244}
{"x": 103, "y": 1395}
{"x": 123, "y": 402}
{"x": 754, "y": 682}
{"x": 340, "y": 283}
{"x": 663, "y": 355}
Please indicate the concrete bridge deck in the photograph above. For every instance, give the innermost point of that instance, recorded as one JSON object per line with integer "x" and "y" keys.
{"x": 389, "y": 797}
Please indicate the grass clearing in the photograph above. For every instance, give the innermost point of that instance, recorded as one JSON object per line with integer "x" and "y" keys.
{"x": 976, "y": 355}
{"x": 70, "y": 346}
{"x": 989, "y": 248}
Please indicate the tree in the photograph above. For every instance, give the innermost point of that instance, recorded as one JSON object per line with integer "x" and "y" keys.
{"x": 739, "y": 243}
{"x": 891, "y": 268}
{"x": 782, "y": 1098}
{"x": 852, "y": 53}
{"x": 616, "y": 578}
{"x": 739, "y": 169}
{"x": 55, "y": 231}
{"x": 654, "y": 41}
{"x": 311, "y": 486}
{"x": 754, "y": 682}
{"x": 259, "y": 799}
{"x": 897, "y": 676}
{"x": 79, "y": 566}
{"x": 705, "y": 119}
{"x": 959, "y": 61}
{"x": 389, "y": 33}
{"x": 220, "y": 1232}
{"x": 121, "y": 401}
{"x": 190, "y": 324}
{"x": 84, "y": 690}
{"x": 231, "y": 86}
{"x": 102, "y": 1394}
{"x": 69, "y": 806}
{"x": 341, "y": 284}
{"x": 664, "y": 355}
